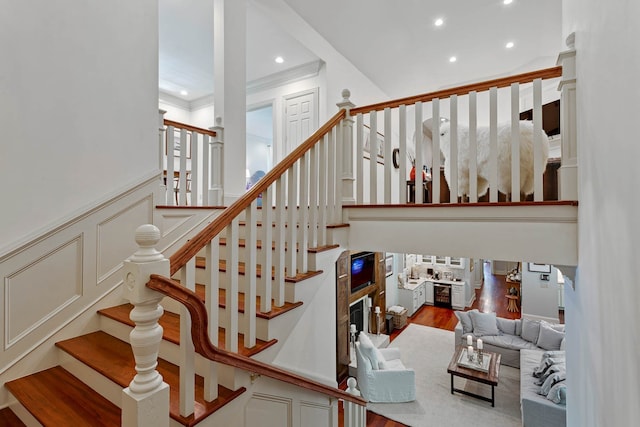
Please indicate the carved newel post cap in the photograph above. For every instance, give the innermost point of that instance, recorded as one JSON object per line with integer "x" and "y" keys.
{"x": 351, "y": 383}
{"x": 147, "y": 237}
{"x": 346, "y": 94}
{"x": 218, "y": 121}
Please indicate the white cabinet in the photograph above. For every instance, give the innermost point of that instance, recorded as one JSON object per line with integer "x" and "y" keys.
{"x": 428, "y": 293}
{"x": 457, "y": 295}
{"x": 443, "y": 261}
{"x": 412, "y": 298}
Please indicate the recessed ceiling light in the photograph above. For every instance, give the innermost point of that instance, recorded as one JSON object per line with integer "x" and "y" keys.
{"x": 279, "y": 59}
{"x": 453, "y": 59}
{"x": 438, "y": 22}
{"x": 507, "y": 1}
{"x": 509, "y": 45}
{"x": 184, "y": 92}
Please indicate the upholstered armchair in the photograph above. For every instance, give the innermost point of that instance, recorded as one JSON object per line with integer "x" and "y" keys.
{"x": 381, "y": 375}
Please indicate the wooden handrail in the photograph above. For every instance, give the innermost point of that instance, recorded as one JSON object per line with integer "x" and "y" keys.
{"x": 203, "y": 346}
{"x": 179, "y": 125}
{"x": 200, "y": 240}
{"x": 547, "y": 73}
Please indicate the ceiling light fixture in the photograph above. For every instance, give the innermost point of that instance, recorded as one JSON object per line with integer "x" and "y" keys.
{"x": 438, "y": 22}
{"x": 279, "y": 59}
{"x": 184, "y": 92}
{"x": 509, "y": 45}
{"x": 507, "y": 1}
{"x": 453, "y": 59}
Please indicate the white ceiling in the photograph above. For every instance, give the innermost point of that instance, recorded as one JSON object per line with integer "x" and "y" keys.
{"x": 393, "y": 42}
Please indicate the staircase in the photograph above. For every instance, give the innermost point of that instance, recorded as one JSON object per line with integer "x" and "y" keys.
{"x": 73, "y": 394}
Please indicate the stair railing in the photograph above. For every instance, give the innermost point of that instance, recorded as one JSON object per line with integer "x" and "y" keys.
{"x": 392, "y": 123}
{"x": 306, "y": 200}
{"x": 191, "y": 159}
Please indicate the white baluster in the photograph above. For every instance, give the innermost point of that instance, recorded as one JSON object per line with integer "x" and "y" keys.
{"x": 279, "y": 238}
{"x": 331, "y": 176}
{"x": 347, "y": 150}
{"x": 435, "y": 172}
{"x": 266, "y": 259}
{"x": 145, "y": 403}
{"x": 187, "y": 351}
{"x": 313, "y": 197}
{"x": 359, "y": 159}
{"x": 216, "y": 193}
{"x": 303, "y": 214}
{"x": 373, "y": 157}
{"x": 322, "y": 199}
{"x": 170, "y": 144}
{"x": 473, "y": 148}
{"x": 194, "y": 175}
{"x": 212, "y": 300}
{"x": 453, "y": 161}
{"x": 182, "y": 177}
{"x": 354, "y": 415}
{"x": 231, "y": 296}
{"x": 568, "y": 172}
{"x": 388, "y": 164}
{"x": 493, "y": 144}
{"x": 402, "y": 155}
{"x": 515, "y": 142}
{"x": 537, "y": 139}
{"x": 250, "y": 264}
{"x": 292, "y": 220}
{"x": 337, "y": 209}
{"x": 161, "y": 145}
{"x": 419, "y": 149}
{"x": 206, "y": 173}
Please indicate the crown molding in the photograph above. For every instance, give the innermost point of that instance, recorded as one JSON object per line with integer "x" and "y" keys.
{"x": 300, "y": 72}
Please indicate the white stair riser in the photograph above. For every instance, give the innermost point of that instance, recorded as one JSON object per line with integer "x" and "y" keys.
{"x": 24, "y": 415}
{"x": 107, "y": 388}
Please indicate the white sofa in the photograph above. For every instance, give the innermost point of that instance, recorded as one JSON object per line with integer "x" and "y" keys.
{"x": 537, "y": 410}
{"x": 382, "y": 377}
{"x": 508, "y": 336}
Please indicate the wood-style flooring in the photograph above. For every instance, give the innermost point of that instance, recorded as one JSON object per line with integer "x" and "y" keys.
{"x": 489, "y": 298}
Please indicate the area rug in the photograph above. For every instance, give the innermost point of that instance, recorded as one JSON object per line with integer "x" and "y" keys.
{"x": 428, "y": 351}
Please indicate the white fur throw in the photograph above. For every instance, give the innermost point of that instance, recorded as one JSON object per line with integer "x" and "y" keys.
{"x": 504, "y": 156}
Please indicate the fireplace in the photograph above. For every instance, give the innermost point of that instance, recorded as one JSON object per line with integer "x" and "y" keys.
{"x": 442, "y": 295}
{"x": 356, "y": 314}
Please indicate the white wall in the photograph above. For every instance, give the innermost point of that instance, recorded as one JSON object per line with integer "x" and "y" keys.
{"x": 539, "y": 297}
{"x": 603, "y": 334}
{"x": 79, "y": 107}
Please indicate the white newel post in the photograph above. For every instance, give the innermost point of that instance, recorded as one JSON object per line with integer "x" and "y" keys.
{"x": 354, "y": 415}
{"x": 145, "y": 403}
{"x": 161, "y": 138}
{"x": 216, "y": 191}
{"x": 568, "y": 172}
{"x": 347, "y": 175}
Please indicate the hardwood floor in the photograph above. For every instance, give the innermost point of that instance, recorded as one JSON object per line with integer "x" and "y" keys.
{"x": 489, "y": 298}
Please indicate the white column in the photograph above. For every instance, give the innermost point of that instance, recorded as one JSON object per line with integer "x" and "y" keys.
{"x": 145, "y": 403}
{"x": 568, "y": 172}
{"x": 229, "y": 56}
{"x": 347, "y": 150}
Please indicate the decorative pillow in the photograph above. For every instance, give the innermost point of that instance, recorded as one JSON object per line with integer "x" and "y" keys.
{"x": 507, "y": 326}
{"x": 549, "y": 338}
{"x": 484, "y": 324}
{"x": 551, "y": 381}
{"x": 545, "y": 363}
{"x": 558, "y": 393}
{"x": 369, "y": 351}
{"x": 530, "y": 330}
{"x": 465, "y": 319}
{"x": 559, "y": 367}
{"x": 554, "y": 353}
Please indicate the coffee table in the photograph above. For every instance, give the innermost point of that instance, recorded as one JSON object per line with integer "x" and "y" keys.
{"x": 489, "y": 378}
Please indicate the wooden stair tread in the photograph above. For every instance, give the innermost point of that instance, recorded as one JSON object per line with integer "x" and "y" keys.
{"x": 170, "y": 323}
{"x": 275, "y": 311}
{"x": 56, "y": 398}
{"x": 113, "y": 358}
{"x": 9, "y": 419}
{"x": 222, "y": 266}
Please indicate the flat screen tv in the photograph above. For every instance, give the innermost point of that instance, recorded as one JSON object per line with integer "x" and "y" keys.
{"x": 363, "y": 270}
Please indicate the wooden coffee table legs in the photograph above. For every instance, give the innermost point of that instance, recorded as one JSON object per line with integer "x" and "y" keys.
{"x": 477, "y": 396}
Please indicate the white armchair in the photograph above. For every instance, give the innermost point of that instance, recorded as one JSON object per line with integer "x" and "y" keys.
{"x": 381, "y": 375}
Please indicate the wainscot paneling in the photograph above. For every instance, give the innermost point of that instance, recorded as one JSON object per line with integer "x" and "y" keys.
{"x": 269, "y": 411}
{"x": 315, "y": 415}
{"x": 35, "y": 292}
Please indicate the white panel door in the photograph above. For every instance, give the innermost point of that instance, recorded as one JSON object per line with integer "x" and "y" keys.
{"x": 301, "y": 118}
